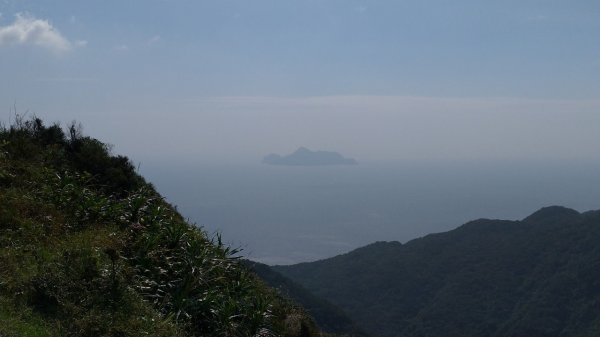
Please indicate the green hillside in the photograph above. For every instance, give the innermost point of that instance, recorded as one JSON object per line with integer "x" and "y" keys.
{"x": 88, "y": 248}
{"x": 539, "y": 277}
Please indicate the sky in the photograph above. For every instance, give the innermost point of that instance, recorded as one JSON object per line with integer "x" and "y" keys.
{"x": 229, "y": 81}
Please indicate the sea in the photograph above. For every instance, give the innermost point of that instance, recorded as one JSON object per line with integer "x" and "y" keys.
{"x": 286, "y": 215}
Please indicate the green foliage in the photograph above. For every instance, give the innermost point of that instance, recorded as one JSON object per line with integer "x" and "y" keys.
{"x": 328, "y": 317}
{"x": 538, "y": 277}
{"x": 88, "y": 248}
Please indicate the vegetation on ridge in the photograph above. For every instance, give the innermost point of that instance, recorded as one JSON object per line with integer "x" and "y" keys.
{"x": 88, "y": 248}
{"x": 538, "y": 277}
{"x": 328, "y": 317}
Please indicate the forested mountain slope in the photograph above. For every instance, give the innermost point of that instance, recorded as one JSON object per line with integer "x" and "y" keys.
{"x": 328, "y": 317}
{"x": 88, "y": 248}
{"x": 536, "y": 277}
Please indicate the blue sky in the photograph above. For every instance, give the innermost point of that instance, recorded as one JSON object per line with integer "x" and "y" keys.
{"x": 170, "y": 65}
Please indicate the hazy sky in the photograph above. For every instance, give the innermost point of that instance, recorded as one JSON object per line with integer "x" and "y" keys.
{"x": 233, "y": 80}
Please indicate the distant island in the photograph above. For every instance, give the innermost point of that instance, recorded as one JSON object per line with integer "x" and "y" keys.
{"x": 306, "y": 157}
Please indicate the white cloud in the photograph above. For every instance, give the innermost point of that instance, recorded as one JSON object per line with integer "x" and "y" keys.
{"x": 361, "y": 9}
{"x": 538, "y": 18}
{"x": 122, "y": 47}
{"x": 67, "y": 79}
{"x": 154, "y": 40}
{"x": 81, "y": 43}
{"x": 27, "y": 30}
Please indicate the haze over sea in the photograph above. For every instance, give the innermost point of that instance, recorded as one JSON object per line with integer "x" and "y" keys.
{"x": 488, "y": 108}
{"x": 283, "y": 215}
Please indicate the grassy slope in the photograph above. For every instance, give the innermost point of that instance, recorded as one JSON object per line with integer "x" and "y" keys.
{"x": 536, "y": 277}
{"x": 88, "y": 248}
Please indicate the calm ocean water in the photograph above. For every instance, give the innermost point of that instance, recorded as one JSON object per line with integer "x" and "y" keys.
{"x": 282, "y": 215}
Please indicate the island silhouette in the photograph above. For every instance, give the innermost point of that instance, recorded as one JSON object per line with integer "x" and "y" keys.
{"x": 305, "y": 157}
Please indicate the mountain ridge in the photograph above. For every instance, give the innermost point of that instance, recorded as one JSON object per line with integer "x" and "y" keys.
{"x": 89, "y": 248}
{"x": 328, "y": 317}
{"x": 484, "y": 278}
